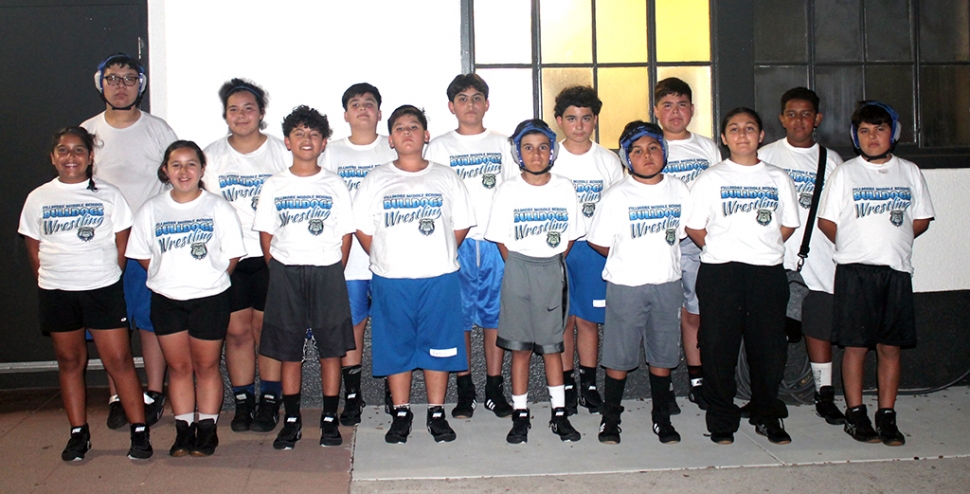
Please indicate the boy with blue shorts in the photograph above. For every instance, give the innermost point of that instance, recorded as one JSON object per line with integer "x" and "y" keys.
{"x": 592, "y": 169}
{"x": 478, "y": 156}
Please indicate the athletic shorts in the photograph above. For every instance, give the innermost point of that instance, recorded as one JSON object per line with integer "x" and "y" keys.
{"x": 137, "y": 297}
{"x": 690, "y": 262}
{"x": 587, "y": 289}
{"x": 532, "y": 304}
{"x": 481, "y": 283}
{"x": 205, "y": 318}
{"x": 358, "y": 291}
{"x": 873, "y": 305}
{"x": 646, "y": 316}
{"x": 249, "y": 282}
{"x": 306, "y": 297}
{"x": 817, "y": 315}
{"x": 62, "y": 311}
{"x": 414, "y": 325}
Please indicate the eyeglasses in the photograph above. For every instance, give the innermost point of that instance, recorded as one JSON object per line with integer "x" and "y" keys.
{"x": 129, "y": 80}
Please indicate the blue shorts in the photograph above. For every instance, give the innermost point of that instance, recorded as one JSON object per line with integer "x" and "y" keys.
{"x": 587, "y": 289}
{"x": 359, "y": 292}
{"x": 481, "y": 283}
{"x": 690, "y": 262}
{"x": 138, "y": 297}
{"x": 414, "y": 325}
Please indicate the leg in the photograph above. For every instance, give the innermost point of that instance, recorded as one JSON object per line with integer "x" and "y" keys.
{"x": 765, "y": 302}
{"x": 330, "y": 376}
{"x": 241, "y": 348}
{"x": 400, "y": 388}
{"x": 521, "y": 360}
{"x": 468, "y": 351}
{"x": 553, "y": 364}
{"x": 436, "y": 383}
{"x": 587, "y": 342}
{"x": 206, "y": 355}
{"x": 71, "y": 352}
{"x": 181, "y": 383}
{"x": 569, "y": 344}
{"x": 720, "y": 340}
{"x": 853, "y": 360}
{"x": 888, "y": 365}
{"x": 494, "y": 354}
{"x": 155, "y": 361}
{"x": 355, "y": 356}
{"x": 819, "y": 351}
{"x": 689, "y": 325}
{"x": 114, "y": 347}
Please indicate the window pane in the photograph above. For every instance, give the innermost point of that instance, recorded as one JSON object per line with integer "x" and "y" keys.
{"x": 944, "y": 31}
{"x": 683, "y": 30}
{"x": 699, "y": 80}
{"x": 944, "y": 99}
{"x": 769, "y": 84}
{"x": 893, "y": 84}
{"x": 888, "y": 31}
{"x": 780, "y": 31}
{"x": 838, "y": 31}
{"x": 509, "y": 97}
{"x": 554, "y": 81}
{"x": 839, "y": 88}
{"x": 621, "y": 31}
{"x": 566, "y": 28}
{"x": 503, "y": 31}
{"x": 626, "y": 97}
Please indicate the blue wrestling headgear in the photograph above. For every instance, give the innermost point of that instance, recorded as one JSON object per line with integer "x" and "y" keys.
{"x": 126, "y": 61}
{"x": 895, "y": 128}
{"x": 631, "y": 134}
{"x": 532, "y": 126}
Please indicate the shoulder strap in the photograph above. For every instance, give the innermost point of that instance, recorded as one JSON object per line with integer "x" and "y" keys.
{"x": 813, "y": 209}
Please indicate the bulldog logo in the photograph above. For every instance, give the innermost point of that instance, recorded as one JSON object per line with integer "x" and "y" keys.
{"x": 805, "y": 199}
{"x": 488, "y": 180}
{"x": 315, "y": 226}
{"x": 85, "y": 233}
{"x": 553, "y": 239}
{"x": 426, "y": 226}
{"x": 255, "y": 202}
{"x": 199, "y": 250}
{"x": 671, "y": 236}
{"x": 588, "y": 209}
{"x": 896, "y": 217}
{"x": 764, "y": 217}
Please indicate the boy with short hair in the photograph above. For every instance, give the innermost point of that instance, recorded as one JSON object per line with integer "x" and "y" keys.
{"x": 798, "y": 154}
{"x": 534, "y": 221}
{"x": 352, "y": 158}
{"x": 688, "y": 155}
{"x": 305, "y": 221}
{"x": 478, "y": 156}
{"x": 873, "y": 208}
{"x": 592, "y": 169}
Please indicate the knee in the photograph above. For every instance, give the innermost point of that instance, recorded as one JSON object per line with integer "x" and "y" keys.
{"x": 240, "y": 338}
{"x": 180, "y": 368}
{"x": 887, "y": 352}
{"x": 71, "y": 361}
{"x": 118, "y": 362}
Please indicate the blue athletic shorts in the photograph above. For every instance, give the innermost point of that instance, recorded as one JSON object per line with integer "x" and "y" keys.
{"x": 414, "y": 325}
{"x": 138, "y": 297}
{"x": 359, "y": 292}
{"x": 587, "y": 289}
{"x": 481, "y": 283}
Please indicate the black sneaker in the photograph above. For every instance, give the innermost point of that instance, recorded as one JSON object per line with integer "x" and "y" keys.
{"x": 572, "y": 399}
{"x": 610, "y": 424}
{"x": 78, "y": 444}
{"x": 465, "y": 407}
{"x": 206, "y": 438}
{"x": 400, "y": 426}
{"x": 495, "y": 400}
{"x": 886, "y": 427}
{"x": 438, "y": 426}
{"x": 521, "y": 423}
{"x": 672, "y": 407}
{"x": 184, "y": 439}
{"x": 243, "y": 418}
{"x": 774, "y": 430}
{"x": 746, "y": 410}
{"x": 858, "y": 426}
{"x": 116, "y": 415}
{"x": 388, "y": 402}
{"x": 291, "y": 432}
{"x": 141, "y": 443}
{"x": 696, "y": 394}
{"x": 267, "y": 414}
{"x": 825, "y": 406}
{"x": 589, "y": 397}
{"x": 665, "y": 432}
{"x": 722, "y": 437}
{"x": 154, "y": 411}
{"x": 329, "y": 432}
{"x": 560, "y": 426}
{"x": 353, "y": 408}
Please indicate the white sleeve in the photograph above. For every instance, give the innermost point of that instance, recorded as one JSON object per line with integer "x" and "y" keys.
{"x": 230, "y": 230}
{"x": 29, "y": 226}
{"x": 577, "y": 225}
{"x": 600, "y": 231}
{"x": 498, "y": 227}
{"x": 830, "y": 205}
{"x": 345, "y": 213}
{"x": 265, "y": 220}
{"x": 922, "y": 205}
{"x": 789, "y": 204}
{"x": 122, "y": 217}
{"x": 462, "y": 213}
{"x": 365, "y": 219}
{"x": 700, "y": 209}
{"x": 139, "y": 242}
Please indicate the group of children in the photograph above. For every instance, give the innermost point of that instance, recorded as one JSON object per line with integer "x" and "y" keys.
{"x": 300, "y": 240}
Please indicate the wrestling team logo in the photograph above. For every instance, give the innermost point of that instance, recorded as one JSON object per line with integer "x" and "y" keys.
{"x": 896, "y": 217}
{"x": 255, "y": 202}
{"x": 86, "y": 233}
{"x": 315, "y": 226}
{"x": 199, "y": 250}
{"x": 764, "y": 217}
{"x": 488, "y": 180}
{"x": 426, "y": 226}
{"x": 805, "y": 199}
{"x": 588, "y": 209}
{"x": 671, "y": 236}
{"x": 553, "y": 238}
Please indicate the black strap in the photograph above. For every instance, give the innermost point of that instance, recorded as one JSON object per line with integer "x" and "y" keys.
{"x": 813, "y": 209}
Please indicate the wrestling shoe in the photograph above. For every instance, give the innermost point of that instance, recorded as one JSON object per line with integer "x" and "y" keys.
{"x": 78, "y": 444}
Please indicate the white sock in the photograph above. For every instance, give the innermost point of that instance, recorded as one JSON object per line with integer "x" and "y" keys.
{"x": 213, "y": 416}
{"x": 148, "y": 399}
{"x": 113, "y": 399}
{"x": 520, "y": 402}
{"x": 557, "y": 394}
{"x": 822, "y": 374}
{"x": 187, "y": 417}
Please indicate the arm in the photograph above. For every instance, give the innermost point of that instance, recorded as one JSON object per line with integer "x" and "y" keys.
{"x": 345, "y": 249}
{"x": 568, "y": 248}
{"x": 502, "y": 249}
{"x": 232, "y": 265}
{"x": 121, "y": 241}
{"x": 33, "y": 255}
{"x": 144, "y": 263}
{"x": 919, "y": 226}
{"x": 829, "y": 228}
{"x": 698, "y": 236}
{"x": 364, "y": 240}
{"x": 786, "y": 232}
{"x": 459, "y": 237}
{"x": 604, "y": 251}
{"x": 264, "y": 241}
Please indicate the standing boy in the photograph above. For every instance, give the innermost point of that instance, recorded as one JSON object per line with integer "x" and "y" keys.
{"x": 798, "y": 154}
{"x": 305, "y": 222}
{"x": 873, "y": 208}
{"x": 477, "y": 155}
{"x": 592, "y": 169}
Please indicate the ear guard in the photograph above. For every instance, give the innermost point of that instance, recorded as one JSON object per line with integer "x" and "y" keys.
{"x": 529, "y": 128}
{"x": 112, "y": 60}
{"x": 626, "y": 142}
{"x": 895, "y": 127}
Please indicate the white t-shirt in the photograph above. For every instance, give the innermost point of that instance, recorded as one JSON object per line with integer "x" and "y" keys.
{"x": 687, "y": 158}
{"x": 483, "y": 161}
{"x": 641, "y": 225}
{"x": 874, "y": 207}
{"x": 592, "y": 173}
{"x": 352, "y": 163}
{"x": 238, "y": 178}
{"x": 307, "y": 216}
{"x": 536, "y": 221}
{"x": 743, "y": 209}
{"x": 189, "y": 245}
{"x": 76, "y": 228}
{"x": 129, "y": 158}
{"x": 802, "y": 166}
{"x": 412, "y": 217}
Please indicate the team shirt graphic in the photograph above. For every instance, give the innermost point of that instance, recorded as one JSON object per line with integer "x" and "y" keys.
{"x": 422, "y": 209}
{"x": 538, "y": 221}
{"x": 196, "y": 233}
{"x": 893, "y": 201}
{"x": 743, "y": 199}
{"x": 588, "y": 193}
{"x": 84, "y": 218}
{"x": 235, "y": 187}
{"x": 646, "y": 220}
{"x": 310, "y": 209}
{"x": 354, "y": 174}
{"x": 804, "y": 186}
{"x": 687, "y": 170}
{"x": 485, "y": 165}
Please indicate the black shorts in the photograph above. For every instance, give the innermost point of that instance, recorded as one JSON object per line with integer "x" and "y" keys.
{"x": 873, "y": 305}
{"x": 817, "y": 315}
{"x": 205, "y": 318}
{"x": 249, "y": 282}
{"x": 62, "y": 311}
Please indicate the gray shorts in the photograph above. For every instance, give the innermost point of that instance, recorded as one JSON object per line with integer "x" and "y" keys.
{"x": 532, "y": 304}
{"x": 647, "y": 316}
{"x": 817, "y": 312}
{"x": 690, "y": 261}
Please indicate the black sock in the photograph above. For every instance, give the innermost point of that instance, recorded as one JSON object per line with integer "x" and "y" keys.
{"x": 351, "y": 375}
{"x": 330, "y": 404}
{"x": 464, "y": 381}
{"x": 567, "y": 377}
{"x": 613, "y": 394}
{"x": 493, "y": 382}
{"x": 587, "y": 376}
{"x": 660, "y": 391}
{"x": 695, "y": 371}
{"x": 291, "y": 404}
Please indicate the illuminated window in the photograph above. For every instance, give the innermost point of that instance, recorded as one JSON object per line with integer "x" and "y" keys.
{"x": 529, "y": 50}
